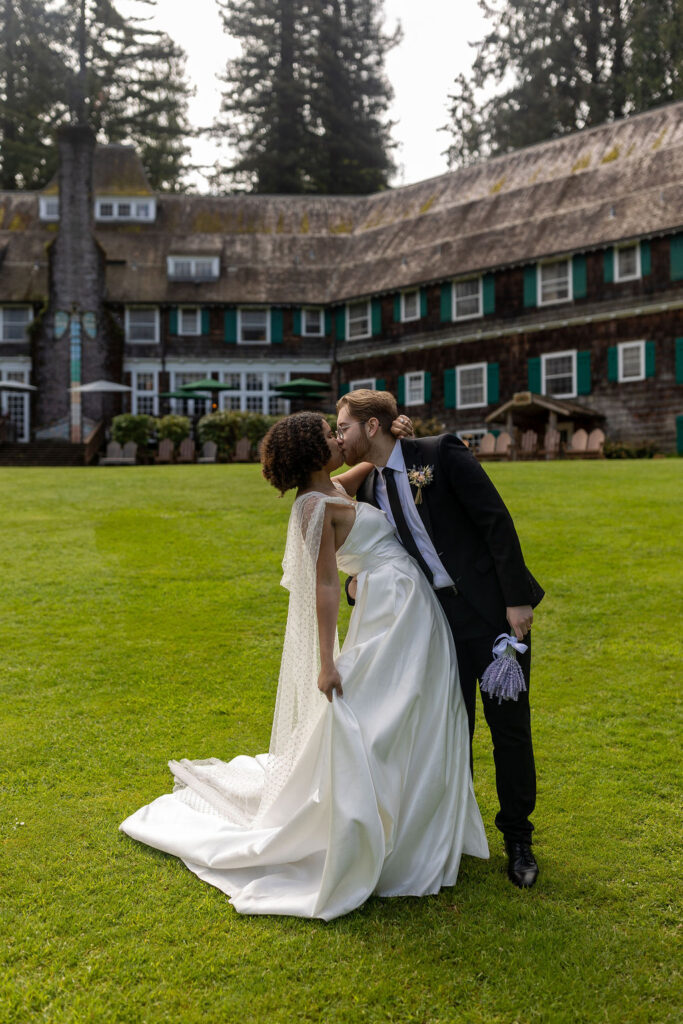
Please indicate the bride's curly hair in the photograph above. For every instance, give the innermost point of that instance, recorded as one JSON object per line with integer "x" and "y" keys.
{"x": 292, "y": 449}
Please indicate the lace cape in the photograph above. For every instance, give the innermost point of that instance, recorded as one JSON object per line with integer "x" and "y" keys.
{"x": 245, "y": 789}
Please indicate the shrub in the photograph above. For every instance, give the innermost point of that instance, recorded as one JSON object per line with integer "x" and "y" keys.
{"x": 223, "y": 428}
{"x": 128, "y": 427}
{"x": 428, "y": 428}
{"x": 624, "y": 450}
{"x": 175, "y": 428}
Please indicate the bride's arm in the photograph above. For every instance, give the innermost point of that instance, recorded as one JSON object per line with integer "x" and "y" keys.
{"x": 351, "y": 479}
{"x": 327, "y": 607}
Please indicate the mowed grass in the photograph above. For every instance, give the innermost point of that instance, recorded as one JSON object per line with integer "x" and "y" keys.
{"x": 141, "y": 619}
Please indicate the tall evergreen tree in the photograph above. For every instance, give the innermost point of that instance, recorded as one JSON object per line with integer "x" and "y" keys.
{"x": 81, "y": 60}
{"x": 573, "y": 63}
{"x": 306, "y": 101}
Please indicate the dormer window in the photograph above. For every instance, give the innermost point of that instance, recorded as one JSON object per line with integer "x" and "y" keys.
{"x": 193, "y": 268}
{"x": 49, "y": 208}
{"x": 127, "y": 209}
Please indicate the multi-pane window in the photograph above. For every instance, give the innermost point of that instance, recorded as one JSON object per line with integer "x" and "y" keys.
{"x": 554, "y": 282}
{"x": 467, "y": 298}
{"x": 415, "y": 388}
{"x": 559, "y": 374}
{"x": 13, "y": 322}
{"x": 189, "y": 320}
{"x": 358, "y": 320}
{"x": 49, "y": 208}
{"x": 125, "y": 209}
{"x": 410, "y": 305}
{"x": 471, "y": 381}
{"x": 253, "y": 326}
{"x": 142, "y": 324}
{"x": 627, "y": 262}
{"x": 254, "y": 392}
{"x": 15, "y": 406}
{"x": 276, "y": 404}
{"x": 367, "y": 382}
{"x": 144, "y": 391}
{"x": 193, "y": 268}
{"x": 313, "y": 322}
{"x": 631, "y": 356}
{"x": 190, "y": 406}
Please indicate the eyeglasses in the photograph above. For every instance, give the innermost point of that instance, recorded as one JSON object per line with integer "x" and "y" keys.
{"x": 339, "y": 432}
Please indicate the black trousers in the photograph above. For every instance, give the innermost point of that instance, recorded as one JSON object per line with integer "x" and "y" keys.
{"x": 509, "y": 721}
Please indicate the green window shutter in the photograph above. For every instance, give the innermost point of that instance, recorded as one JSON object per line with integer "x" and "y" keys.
{"x": 401, "y": 396}
{"x": 645, "y": 258}
{"x": 579, "y": 278}
{"x": 276, "y": 332}
{"x": 427, "y": 386}
{"x": 296, "y": 330}
{"x": 328, "y": 322}
{"x": 423, "y": 302}
{"x": 230, "y": 326}
{"x": 206, "y": 320}
{"x": 449, "y": 390}
{"x": 376, "y": 317}
{"x": 649, "y": 358}
{"x": 679, "y": 360}
{"x": 380, "y": 384}
{"x": 397, "y": 308}
{"x": 173, "y": 320}
{"x": 340, "y": 323}
{"x": 613, "y": 363}
{"x": 608, "y": 266}
{"x": 343, "y": 388}
{"x": 676, "y": 257}
{"x": 679, "y": 435}
{"x": 530, "y": 286}
{"x": 492, "y": 383}
{"x": 489, "y": 293}
{"x": 534, "y": 374}
{"x": 446, "y": 302}
{"x": 583, "y": 373}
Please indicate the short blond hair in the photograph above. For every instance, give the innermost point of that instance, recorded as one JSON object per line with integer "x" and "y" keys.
{"x": 364, "y": 404}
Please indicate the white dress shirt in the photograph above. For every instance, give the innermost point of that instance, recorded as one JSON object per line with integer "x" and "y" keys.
{"x": 412, "y": 516}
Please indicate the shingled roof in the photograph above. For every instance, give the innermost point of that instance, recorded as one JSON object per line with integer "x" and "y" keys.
{"x": 584, "y": 191}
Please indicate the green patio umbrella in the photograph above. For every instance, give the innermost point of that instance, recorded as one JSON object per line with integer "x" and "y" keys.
{"x": 302, "y": 387}
{"x": 208, "y": 384}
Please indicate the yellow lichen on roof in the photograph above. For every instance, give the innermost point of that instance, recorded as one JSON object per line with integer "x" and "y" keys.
{"x": 427, "y": 204}
{"x": 342, "y": 227}
{"x": 611, "y": 155}
{"x": 19, "y": 222}
{"x": 660, "y": 139}
{"x": 280, "y": 226}
{"x": 582, "y": 163}
{"x": 497, "y": 186}
{"x": 305, "y": 225}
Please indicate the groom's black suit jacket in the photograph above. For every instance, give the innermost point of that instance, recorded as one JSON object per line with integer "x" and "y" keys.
{"x": 470, "y": 527}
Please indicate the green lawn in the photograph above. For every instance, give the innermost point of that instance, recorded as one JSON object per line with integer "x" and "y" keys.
{"x": 140, "y": 619}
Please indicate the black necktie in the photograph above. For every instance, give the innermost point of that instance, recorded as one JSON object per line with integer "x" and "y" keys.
{"x": 401, "y": 524}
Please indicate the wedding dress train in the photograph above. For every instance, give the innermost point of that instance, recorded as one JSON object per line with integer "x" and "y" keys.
{"x": 368, "y": 794}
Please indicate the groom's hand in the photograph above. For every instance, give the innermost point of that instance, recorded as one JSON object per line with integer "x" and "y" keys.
{"x": 329, "y": 680}
{"x": 520, "y": 618}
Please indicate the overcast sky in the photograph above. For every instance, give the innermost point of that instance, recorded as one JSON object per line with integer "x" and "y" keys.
{"x": 421, "y": 69}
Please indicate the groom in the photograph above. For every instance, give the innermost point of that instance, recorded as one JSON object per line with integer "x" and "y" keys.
{"x": 460, "y": 532}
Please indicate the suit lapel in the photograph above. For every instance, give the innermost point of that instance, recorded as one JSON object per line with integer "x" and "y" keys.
{"x": 413, "y": 459}
{"x": 366, "y": 491}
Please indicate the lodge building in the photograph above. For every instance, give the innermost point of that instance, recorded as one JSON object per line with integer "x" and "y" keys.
{"x": 553, "y": 274}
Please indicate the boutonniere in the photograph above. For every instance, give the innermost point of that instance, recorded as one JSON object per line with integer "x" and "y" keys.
{"x": 420, "y": 477}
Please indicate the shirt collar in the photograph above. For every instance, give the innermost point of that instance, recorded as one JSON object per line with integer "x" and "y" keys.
{"x": 396, "y": 460}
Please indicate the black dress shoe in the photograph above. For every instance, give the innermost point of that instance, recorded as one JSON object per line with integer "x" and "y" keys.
{"x": 522, "y": 866}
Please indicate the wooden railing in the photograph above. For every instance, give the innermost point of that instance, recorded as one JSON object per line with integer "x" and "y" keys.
{"x": 93, "y": 442}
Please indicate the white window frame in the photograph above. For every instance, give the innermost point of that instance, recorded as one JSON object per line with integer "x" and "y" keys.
{"x": 558, "y": 355}
{"x": 454, "y": 302}
{"x": 410, "y": 291}
{"x": 369, "y": 383}
{"x": 321, "y": 323}
{"x": 138, "y": 393}
{"x": 250, "y": 309}
{"x": 45, "y": 213}
{"x": 471, "y": 405}
{"x": 627, "y": 277}
{"x": 197, "y": 330}
{"x": 570, "y": 284}
{"x": 14, "y": 371}
{"x": 193, "y": 261}
{"x": 134, "y": 202}
{"x": 414, "y": 375}
{"x": 621, "y": 347}
{"x": 15, "y": 341}
{"x": 142, "y": 341}
{"x": 368, "y": 317}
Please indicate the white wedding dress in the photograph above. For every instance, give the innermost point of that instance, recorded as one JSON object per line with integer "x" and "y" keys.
{"x": 368, "y": 794}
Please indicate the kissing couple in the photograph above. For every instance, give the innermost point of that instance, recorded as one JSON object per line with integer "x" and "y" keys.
{"x": 367, "y": 785}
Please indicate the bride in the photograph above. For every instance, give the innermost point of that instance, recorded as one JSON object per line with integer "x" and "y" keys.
{"x": 366, "y": 787}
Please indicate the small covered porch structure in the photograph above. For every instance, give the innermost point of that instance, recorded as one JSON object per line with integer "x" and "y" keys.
{"x": 529, "y": 411}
